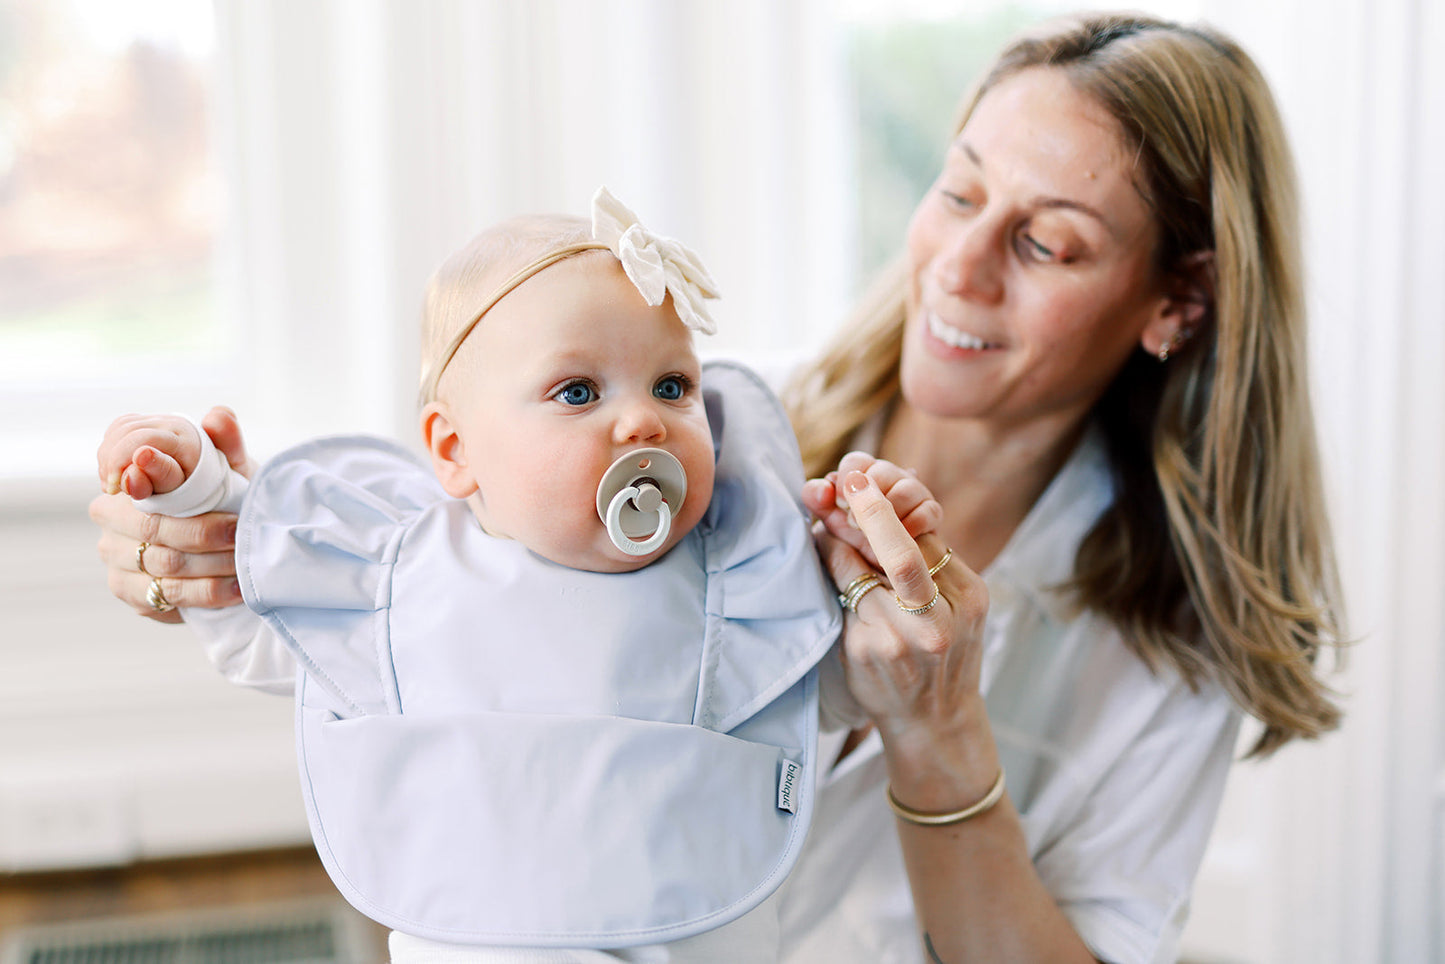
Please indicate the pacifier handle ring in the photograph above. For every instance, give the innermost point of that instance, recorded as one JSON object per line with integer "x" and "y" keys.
{"x": 614, "y": 524}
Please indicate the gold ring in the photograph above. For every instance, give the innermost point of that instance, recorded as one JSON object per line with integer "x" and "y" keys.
{"x": 919, "y": 610}
{"x": 848, "y": 589}
{"x": 140, "y": 557}
{"x": 947, "y": 555}
{"x": 157, "y": 599}
{"x": 857, "y": 589}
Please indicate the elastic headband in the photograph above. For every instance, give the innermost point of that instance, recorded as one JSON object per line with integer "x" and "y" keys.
{"x": 656, "y": 265}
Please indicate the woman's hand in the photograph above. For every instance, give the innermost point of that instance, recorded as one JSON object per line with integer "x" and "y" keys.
{"x": 916, "y": 674}
{"x": 912, "y": 503}
{"x": 976, "y": 894}
{"x": 192, "y": 558}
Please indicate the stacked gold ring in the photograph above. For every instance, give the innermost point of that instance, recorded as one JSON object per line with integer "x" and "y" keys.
{"x": 857, "y": 589}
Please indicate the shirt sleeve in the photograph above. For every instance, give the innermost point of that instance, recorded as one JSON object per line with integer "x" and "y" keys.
{"x": 1123, "y": 869}
{"x": 243, "y": 649}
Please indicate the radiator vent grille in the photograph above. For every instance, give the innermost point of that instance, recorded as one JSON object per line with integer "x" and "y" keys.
{"x": 278, "y": 934}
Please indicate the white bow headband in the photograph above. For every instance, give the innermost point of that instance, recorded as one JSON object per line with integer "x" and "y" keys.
{"x": 656, "y": 265}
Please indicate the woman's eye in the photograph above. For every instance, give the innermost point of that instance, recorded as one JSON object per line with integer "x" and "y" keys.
{"x": 1036, "y": 249}
{"x": 671, "y": 388}
{"x": 576, "y": 393}
{"x": 955, "y": 199}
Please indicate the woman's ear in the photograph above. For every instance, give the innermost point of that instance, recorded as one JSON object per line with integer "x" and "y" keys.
{"x": 1187, "y": 303}
{"x": 448, "y": 455}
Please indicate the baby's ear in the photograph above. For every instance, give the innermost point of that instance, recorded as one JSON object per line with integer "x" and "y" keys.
{"x": 448, "y": 455}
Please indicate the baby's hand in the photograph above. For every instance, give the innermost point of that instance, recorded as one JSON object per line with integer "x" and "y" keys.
{"x": 915, "y": 506}
{"x": 145, "y": 455}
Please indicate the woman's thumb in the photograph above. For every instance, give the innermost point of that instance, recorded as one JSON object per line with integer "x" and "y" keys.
{"x": 222, "y": 426}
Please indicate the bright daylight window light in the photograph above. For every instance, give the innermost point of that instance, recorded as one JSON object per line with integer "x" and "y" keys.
{"x": 109, "y": 195}
{"x": 909, "y": 62}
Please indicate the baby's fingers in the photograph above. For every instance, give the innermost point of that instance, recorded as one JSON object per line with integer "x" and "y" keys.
{"x": 151, "y": 471}
{"x": 820, "y": 499}
{"x": 912, "y": 502}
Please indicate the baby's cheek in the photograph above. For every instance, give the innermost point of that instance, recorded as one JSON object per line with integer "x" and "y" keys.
{"x": 564, "y": 502}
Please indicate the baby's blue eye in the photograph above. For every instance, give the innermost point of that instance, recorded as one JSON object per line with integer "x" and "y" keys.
{"x": 671, "y": 388}
{"x": 577, "y": 393}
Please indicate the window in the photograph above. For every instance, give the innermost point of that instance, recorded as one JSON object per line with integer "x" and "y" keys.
{"x": 909, "y": 63}
{"x": 110, "y": 206}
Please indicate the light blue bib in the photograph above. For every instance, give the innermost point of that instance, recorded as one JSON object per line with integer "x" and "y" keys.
{"x": 496, "y": 749}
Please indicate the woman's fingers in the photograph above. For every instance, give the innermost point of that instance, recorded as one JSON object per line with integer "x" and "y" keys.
{"x": 898, "y": 554}
{"x": 224, "y": 429}
{"x": 850, "y": 571}
{"x": 212, "y": 532}
{"x": 134, "y": 589}
{"x": 121, "y": 552}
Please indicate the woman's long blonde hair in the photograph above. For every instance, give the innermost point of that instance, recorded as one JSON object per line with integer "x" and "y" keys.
{"x": 1215, "y": 557}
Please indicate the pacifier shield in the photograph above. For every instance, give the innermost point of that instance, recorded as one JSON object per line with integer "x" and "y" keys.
{"x": 638, "y": 466}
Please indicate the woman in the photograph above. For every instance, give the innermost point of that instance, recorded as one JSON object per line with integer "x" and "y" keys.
{"x": 1092, "y": 353}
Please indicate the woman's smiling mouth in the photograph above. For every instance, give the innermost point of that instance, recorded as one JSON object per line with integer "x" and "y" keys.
{"x": 953, "y": 337}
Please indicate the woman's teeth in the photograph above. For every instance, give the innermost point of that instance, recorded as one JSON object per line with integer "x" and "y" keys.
{"x": 952, "y": 337}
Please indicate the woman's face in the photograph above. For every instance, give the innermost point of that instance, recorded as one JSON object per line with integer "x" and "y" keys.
{"x": 1030, "y": 262}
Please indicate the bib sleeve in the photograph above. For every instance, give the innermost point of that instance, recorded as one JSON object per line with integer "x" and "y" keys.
{"x": 772, "y": 610}
{"x": 316, "y": 543}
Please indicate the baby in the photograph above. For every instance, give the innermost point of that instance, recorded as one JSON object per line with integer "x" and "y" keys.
{"x": 563, "y": 690}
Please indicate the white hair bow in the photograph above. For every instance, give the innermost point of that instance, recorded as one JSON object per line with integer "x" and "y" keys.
{"x": 655, "y": 264}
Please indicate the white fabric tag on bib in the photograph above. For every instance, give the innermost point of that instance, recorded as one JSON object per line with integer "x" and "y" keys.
{"x": 787, "y": 783}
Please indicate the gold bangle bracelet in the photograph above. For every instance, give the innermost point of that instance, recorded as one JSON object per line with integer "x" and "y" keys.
{"x": 994, "y": 795}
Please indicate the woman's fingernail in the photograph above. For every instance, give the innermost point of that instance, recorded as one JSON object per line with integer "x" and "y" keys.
{"x": 855, "y": 481}
{"x": 233, "y": 589}
{"x": 230, "y": 533}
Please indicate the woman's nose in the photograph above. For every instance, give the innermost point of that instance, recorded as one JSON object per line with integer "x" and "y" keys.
{"x": 969, "y": 261}
{"x": 639, "y": 422}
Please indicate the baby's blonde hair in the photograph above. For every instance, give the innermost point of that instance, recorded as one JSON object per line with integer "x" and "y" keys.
{"x": 469, "y": 278}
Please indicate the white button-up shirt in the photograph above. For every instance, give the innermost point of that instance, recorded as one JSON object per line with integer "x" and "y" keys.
{"x": 1116, "y": 771}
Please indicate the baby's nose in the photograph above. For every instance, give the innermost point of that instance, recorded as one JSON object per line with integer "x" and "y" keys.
{"x": 639, "y": 423}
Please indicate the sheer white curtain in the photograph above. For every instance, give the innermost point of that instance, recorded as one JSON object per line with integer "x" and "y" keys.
{"x": 1333, "y": 852}
{"x": 373, "y": 137}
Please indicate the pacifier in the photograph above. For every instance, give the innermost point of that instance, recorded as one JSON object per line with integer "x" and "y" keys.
{"x": 637, "y": 495}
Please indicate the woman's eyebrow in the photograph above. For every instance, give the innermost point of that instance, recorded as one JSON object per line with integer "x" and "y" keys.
{"x": 1045, "y": 201}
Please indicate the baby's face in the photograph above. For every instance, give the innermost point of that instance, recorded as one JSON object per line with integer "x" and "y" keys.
{"x": 569, "y": 371}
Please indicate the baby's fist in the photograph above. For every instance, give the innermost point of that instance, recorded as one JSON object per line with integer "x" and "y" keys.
{"x": 145, "y": 455}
